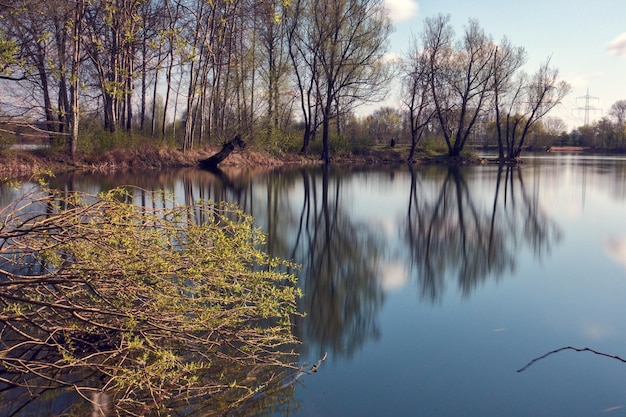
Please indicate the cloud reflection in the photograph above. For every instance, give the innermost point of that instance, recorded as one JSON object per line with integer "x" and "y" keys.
{"x": 616, "y": 249}
{"x": 392, "y": 276}
{"x": 596, "y": 331}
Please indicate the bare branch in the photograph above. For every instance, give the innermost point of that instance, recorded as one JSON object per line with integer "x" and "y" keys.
{"x": 596, "y": 352}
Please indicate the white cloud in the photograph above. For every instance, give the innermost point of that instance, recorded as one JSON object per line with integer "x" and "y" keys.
{"x": 392, "y": 57}
{"x": 618, "y": 45}
{"x": 400, "y": 10}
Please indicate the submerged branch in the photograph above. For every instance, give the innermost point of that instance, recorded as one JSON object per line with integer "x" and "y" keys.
{"x": 574, "y": 349}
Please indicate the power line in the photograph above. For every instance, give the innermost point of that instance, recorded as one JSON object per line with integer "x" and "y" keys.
{"x": 587, "y": 108}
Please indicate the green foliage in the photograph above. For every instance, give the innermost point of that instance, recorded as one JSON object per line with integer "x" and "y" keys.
{"x": 278, "y": 142}
{"x": 97, "y": 140}
{"x": 434, "y": 145}
{"x": 6, "y": 141}
{"x": 165, "y": 305}
{"x": 340, "y": 144}
{"x": 8, "y": 54}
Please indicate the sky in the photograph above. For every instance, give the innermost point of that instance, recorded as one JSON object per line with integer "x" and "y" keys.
{"x": 585, "y": 40}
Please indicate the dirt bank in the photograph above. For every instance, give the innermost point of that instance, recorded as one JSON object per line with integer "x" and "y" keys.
{"x": 23, "y": 163}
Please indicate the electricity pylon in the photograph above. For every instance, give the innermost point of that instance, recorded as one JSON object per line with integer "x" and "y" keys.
{"x": 587, "y": 106}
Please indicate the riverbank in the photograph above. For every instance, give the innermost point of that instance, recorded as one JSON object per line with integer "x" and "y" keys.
{"x": 25, "y": 162}
{"x": 20, "y": 163}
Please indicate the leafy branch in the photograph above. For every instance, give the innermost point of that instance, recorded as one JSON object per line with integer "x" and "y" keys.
{"x": 156, "y": 306}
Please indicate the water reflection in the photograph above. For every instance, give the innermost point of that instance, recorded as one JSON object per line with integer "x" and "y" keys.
{"x": 340, "y": 257}
{"x": 449, "y": 231}
{"x": 453, "y": 230}
{"x": 447, "y": 228}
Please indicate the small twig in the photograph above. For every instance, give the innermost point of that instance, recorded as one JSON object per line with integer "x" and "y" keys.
{"x": 571, "y": 348}
{"x": 319, "y": 362}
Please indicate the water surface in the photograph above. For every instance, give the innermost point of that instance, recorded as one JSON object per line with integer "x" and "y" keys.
{"x": 428, "y": 288}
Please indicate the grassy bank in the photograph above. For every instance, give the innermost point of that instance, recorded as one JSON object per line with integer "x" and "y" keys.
{"x": 17, "y": 163}
{"x": 20, "y": 163}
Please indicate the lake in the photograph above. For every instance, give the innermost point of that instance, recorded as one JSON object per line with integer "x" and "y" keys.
{"x": 427, "y": 288}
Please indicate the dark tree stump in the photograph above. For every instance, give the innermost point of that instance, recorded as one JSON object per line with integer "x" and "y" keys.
{"x": 227, "y": 149}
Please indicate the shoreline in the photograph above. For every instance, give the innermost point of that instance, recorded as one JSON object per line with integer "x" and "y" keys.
{"x": 21, "y": 163}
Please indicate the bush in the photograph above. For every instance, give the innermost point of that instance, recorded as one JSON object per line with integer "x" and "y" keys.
{"x": 6, "y": 141}
{"x": 156, "y": 306}
{"x": 279, "y": 142}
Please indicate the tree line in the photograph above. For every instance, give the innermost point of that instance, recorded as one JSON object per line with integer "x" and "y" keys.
{"x": 208, "y": 69}
{"x": 608, "y": 133}
{"x": 201, "y": 72}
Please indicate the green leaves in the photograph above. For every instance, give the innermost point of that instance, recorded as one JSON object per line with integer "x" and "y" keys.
{"x": 166, "y": 299}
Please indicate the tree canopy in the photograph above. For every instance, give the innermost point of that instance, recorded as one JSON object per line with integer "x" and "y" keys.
{"x": 465, "y": 81}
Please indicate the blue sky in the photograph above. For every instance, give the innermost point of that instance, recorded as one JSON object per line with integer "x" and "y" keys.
{"x": 585, "y": 40}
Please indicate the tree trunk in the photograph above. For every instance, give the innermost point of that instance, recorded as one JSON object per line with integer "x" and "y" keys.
{"x": 213, "y": 161}
{"x": 306, "y": 139}
{"x": 51, "y": 125}
{"x": 74, "y": 78}
{"x": 325, "y": 140}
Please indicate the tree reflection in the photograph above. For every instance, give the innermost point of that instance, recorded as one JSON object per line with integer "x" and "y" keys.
{"x": 342, "y": 295}
{"x": 449, "y": 232}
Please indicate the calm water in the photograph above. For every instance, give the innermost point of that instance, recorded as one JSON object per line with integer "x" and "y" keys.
{"x": 429, "y": 288}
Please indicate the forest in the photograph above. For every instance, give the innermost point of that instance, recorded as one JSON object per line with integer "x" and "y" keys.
{"x": 92, "y": 75}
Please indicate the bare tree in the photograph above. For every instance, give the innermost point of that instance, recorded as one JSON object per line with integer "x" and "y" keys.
{"x": 341, "y": 44}
{"x": 272, "y": 33}
{"x": 76, "y": 42}
{"x": 29, "y": 38}
{"x": 44, "y": 42}
{"x": 507, "y": 60}
{"x": 111, "y": 33}
{"x": 302, "y": 52}
{"x": 417, "y": 95}
{"x": 530, "y": 101}
{"x": 618, "y": 111}
{"x": 460, "y": 76}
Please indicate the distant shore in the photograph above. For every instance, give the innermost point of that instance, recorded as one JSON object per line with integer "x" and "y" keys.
{"x": 568, "y": 149}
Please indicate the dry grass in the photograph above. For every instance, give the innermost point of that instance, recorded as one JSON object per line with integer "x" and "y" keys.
{"x": 21, "y": 163}
{"x": 15, "y": 164}
{"x": 159, "y": 158}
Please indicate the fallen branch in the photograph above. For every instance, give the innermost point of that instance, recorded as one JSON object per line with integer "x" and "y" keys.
{"x": 213, "y": 161}
{"x": 292, "y": 379}
{"x": 574, "y": 349}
